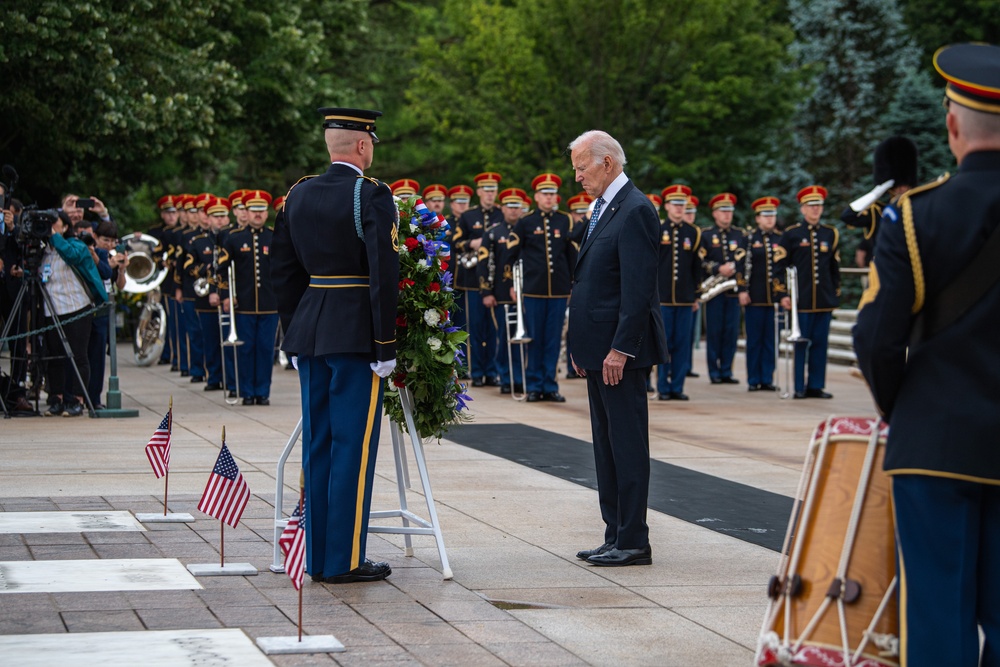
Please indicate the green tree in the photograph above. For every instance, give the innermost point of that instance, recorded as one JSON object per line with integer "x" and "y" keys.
{"x": 933, "y": 24}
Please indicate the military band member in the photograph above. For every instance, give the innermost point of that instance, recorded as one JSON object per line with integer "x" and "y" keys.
{"x": 756, "y": 284}
{"x": 335, "y": 266}
{"x": 657, "y": 202}
{"x": 434, "y": 196}
{"x": 255, "y": 310}
{"x": 238, "y": 208}
{"x": 164, "y": 233}
{"x": 175, "y": 303}
{"x": 814, "y": 250}
{"x": 723, "y": 247}
{"x": 496, "y": 280}
{"x": 209, "y": 255}
{"x": 690, "y": 213}
{"x": 189, "y": 266}
{"x": 405, "y": 188}
{"x": 465, "y": 248}
{"x": 548, "y": 256}
{"x": 459, "y": 197}
{"x": 679, "y": 279}
{"x": 691, "y": 210}
{"x": 926, "y": 341}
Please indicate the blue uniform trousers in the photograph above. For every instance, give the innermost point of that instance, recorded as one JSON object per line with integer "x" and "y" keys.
{"x": 948, "y": 539}
{"x": 815, "y": 328}
{"x": 175, "y": 333}
{"x": 256, "y": 354}
{"x": 341, "y": 415}
{"x": 544, "y": 320}
{"x": 760, "y": 344}
{"x": 677, "y": 326}
{"x": 482, "y": 337}
{"x": 213, "y": 346}
{"x": 195, "y": 343}
{"x": 504, "y": 364}
{"x": 97, "y": 348}
{"x": 722, "y": 316}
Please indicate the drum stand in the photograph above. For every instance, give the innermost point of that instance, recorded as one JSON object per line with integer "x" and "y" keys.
{"x": 430, "y": 526}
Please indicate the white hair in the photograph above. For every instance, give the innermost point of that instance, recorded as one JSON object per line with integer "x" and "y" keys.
{"x": 977, "y": 125}
{"x": 597, "y": 144}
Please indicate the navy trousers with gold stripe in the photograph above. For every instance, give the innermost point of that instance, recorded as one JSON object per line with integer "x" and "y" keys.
{"x": 948, "y": 536}
{"x": 341, "y": 415}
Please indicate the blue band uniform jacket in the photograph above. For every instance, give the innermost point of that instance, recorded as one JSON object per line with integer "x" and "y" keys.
{"x": 548, "y": 253}
{"x": 338, "y": 291}
{"x": 764, "y": 250}
{"x": 202, "y": 262}
{"x": 680, "y": 266}
{"x": 940, "y": 394}
{"x": 721, "y": 246}
{"x": 495, "y": 268}
{"x": 471, "y": 226}
{"x": 249, "y": 251}
{"x": 814, "y": 250}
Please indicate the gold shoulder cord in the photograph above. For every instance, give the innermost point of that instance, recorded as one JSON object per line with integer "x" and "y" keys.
{"x": 915, "y": 263}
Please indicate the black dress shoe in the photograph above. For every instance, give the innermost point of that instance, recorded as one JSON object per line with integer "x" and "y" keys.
{"x": 678, "y": 396}
{"x": 554, "y": 397}
{"x": 753, "y": 387}
{"x": 492, "y": 382}
{"x": 262, "y": 400}
{"x": 368, "y": 571}
{"x": 534, "y": 397}
{"x": 184, "y": 374}
{"x": 572, "y": 375}
{"x": 212, "y": 386}
{"x": 664, "y": 397}
{"x": 478, "y": 382}
{"x": 248, "y": 400}
{"x": 729, "y": 380}
{"x": 622, "y": 557}
{"x": 317, "y": 577}
{"x": 162, "y": 362}
{"x": 231, "y": 394}
{"x": 692, "y": 374}
{"x": 196, "y": 380}
{"x": 587, "y": 553}
{"x": 715, "y": 380}
{"x": 800, "y": 394}
{"x": 505, "y": 389}
{"x": 817, "y": 393}
{"x": 173, "y": 368}
{"x": 767, "y": 387}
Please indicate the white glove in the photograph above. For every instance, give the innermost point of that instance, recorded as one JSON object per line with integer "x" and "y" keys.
{"x": 383, "y": 368}
{"x": 295, "y": 361}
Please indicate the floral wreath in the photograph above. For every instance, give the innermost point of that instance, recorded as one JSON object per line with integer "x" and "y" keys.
{"x": 429, "y": 350}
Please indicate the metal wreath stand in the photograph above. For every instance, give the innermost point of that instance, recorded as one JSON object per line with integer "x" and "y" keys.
{"x": 421, "y": 526}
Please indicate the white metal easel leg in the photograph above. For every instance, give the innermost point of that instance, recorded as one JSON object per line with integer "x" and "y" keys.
{"x": 279, "y": 517}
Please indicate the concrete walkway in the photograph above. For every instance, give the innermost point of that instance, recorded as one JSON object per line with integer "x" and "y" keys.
{"x": 519, "y": 596}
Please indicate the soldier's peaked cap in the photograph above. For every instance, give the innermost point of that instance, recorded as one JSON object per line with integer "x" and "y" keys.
{"x": 362, "y": 120}
{"x": 973, "y": 75}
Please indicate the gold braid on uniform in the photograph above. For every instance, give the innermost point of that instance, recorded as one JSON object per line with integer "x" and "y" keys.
{"x": 910, "y": 231}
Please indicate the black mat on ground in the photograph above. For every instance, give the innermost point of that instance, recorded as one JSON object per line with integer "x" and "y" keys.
{"x": 742, "y": 511}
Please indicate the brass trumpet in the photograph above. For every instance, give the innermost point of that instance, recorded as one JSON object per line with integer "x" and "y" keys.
{"x": 232, "y": 340}
{"x": 520, "y": 336}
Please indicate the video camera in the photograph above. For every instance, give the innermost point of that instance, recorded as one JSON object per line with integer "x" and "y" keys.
{"x": 36, "y": 225}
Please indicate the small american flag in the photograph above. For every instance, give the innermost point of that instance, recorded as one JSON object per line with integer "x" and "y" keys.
{"x": 158, "y": 449}
{"x": 226, "y": 493}
{"x": 293, "y": 545}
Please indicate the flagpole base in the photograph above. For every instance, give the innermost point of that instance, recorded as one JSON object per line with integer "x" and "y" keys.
{"x": 116, "y": 413}
{"x": 309, "y": 644}
{"x": 160, "y": 517}
{"x": 216, "y": 570}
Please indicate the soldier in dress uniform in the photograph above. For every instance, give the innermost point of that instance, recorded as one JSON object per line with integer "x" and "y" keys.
{"x": 465, "y": 246}
{"x": 434, "y": 196}
{"x": 239, "y": 210}
{"x": 496, "y": 282}
{"x": 548, "y": 256}
{"x": 209, "y": 255}
{"x": 657, "y": 202}
{"x": 256, "y": 310}
{"x": 164, "y": 233}
{"x": 723, "y": 247}
{"x": 405, "y": 188}
{"x": 690, "y": 213}
{"x": 756, "y": 284}
{"x": 927, "y": 343}
{"x": 814, "y": 250}
{"x": 459, "y": 197}
{"x": 679, "y": 279}
{"x": 335, "y": 271}
{"x": 189, "y": 264}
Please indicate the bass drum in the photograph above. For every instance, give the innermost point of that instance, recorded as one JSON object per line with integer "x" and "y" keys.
{"x": 151, "y": 331}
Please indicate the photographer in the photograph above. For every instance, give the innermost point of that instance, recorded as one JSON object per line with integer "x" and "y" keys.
{"x": 70, "y": 275}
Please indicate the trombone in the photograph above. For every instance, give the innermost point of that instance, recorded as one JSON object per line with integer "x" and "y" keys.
{"x": 789, "y": 332}
{"x": 232, "y": 340}
{"x": 516, "y": 318}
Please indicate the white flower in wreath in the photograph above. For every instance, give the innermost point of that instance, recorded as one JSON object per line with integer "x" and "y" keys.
{"x": 414, "y": 228}
{"x": 434, "y": 343}
{"x": 432, "y": 317}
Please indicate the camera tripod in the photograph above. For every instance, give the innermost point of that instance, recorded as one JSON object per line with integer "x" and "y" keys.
{"x": 31, "y": 287}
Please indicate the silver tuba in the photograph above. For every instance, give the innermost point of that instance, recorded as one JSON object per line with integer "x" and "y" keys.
{"x": 143, "y": 275}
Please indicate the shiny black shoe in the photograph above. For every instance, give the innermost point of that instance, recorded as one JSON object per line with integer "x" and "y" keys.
{"x": 478, "y": 382}
{"x": 753, "y": 387}
{"x": 767, "y": 387}
{"x": 505, "y": 389}
{"x": 185, "y": 374}
{"x": 554, "y": 397}
{"x": 587, "y": 553}
{"x": 196, "y": 380}
{"x": 231, "y": 394}
{"x": 623, "y": 557}
{"x": 572, "y": 375}
{"x": 800, "y": 394}
{"x": 212, "y": 386}
{"x": 368, "y": 571}
{"x": 729, "y": 380}
{"x": 692, "y": 374}
{"x": 173, "y": 369}
{"x": 492, "y": 382}
{"x": 678, "y": 396}
{"x": 317, "y": 577}
{"x": 534, "y": 397}
{"x": 162, "y": 362}
{"x": 715, "y": 380}
{"x": 664, "y": 397}
{"x": 248, "y": 400}
{"x": 262, "y": 400}
{"x": 817, "y": 393}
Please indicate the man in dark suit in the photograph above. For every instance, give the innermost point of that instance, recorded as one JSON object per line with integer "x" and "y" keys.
{"x": 926, "y": 340}
{"x": 335, "y": 269}
{"x": 617, "y": 336}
